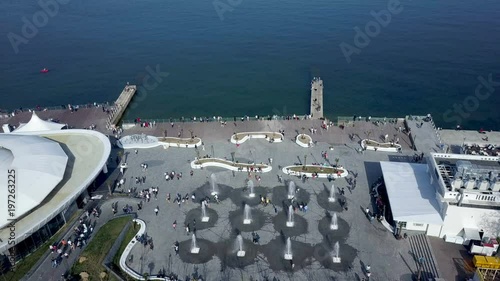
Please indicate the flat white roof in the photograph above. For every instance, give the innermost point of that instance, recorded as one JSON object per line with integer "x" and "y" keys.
{"x": 87, "y": 151}
{"x": 36, "y": 166}
{"x": 411, "y": 195}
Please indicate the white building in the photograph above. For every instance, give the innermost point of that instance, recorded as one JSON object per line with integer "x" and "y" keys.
{"x": 454, "y": 196}
{"x": 50, "y": 170}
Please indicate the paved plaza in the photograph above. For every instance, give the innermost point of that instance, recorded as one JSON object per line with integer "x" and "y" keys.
{"x": 361, "y": 242}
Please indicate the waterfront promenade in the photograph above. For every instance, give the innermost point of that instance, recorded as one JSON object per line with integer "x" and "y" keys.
{"x": 371, "y": 241}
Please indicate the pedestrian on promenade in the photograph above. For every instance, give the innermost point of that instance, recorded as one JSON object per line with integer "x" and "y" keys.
{"x": 174, "y": 225}
{"x": 156, "y": 210}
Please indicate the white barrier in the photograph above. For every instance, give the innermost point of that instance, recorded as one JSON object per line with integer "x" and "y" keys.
{"x": 216, "y": 162}
{"x": 126, "y": 252}
{"x": 144, "y": 141}
{"x": 257, "y": 135}
{"x": 343, "y": 172}
{"x": 304, "y": 140}
{"x": 394, "y": 147}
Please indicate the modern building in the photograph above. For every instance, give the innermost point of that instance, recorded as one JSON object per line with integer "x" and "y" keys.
{"x": 49, "y": 171}
{"x": 453, "y": 196}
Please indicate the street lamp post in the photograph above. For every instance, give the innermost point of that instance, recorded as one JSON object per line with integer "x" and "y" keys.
{"x": 305, "y": 161}
{"x": 212, "y": 148}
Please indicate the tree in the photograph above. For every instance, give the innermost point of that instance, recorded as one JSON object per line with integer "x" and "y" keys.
{"x": 337, "y": 162}
{"x": 368, "y": 134}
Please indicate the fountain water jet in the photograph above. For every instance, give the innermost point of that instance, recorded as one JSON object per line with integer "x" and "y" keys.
{"x": 204, "y": 216}
{"x": 288, "y": 250}
{"x": 250, "y": 187}
{"x": 213, "y": 182}
{"x": 290, "y": 222}
{"x": 247, "y": 216}
{"x": 291, "y": 190}
{"x": 334, "y": 224}
{"x": 194, "y": 247}
{"x": 332, "y": 194}
{"x": 336, "y": 253}
{"x": 239, "y": 241}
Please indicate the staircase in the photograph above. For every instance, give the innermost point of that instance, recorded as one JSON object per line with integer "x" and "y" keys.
{"x": 420, "y": 247}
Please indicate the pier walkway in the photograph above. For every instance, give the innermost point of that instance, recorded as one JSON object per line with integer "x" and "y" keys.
{"x": 316, "y": 111}
{"x": 122, "y": 103}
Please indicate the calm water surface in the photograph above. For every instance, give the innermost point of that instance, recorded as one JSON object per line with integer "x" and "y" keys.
{"x": 259, "y": 59}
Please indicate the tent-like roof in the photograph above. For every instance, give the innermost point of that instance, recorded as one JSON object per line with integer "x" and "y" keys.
{"x": 36, "y": 124}
{"x": 38, "y": 164}
{"x": 411, "y": 195}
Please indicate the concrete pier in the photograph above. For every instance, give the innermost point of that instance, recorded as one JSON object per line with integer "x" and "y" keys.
{"x": 122, "y": 102}
{"x": 316, "y": 98}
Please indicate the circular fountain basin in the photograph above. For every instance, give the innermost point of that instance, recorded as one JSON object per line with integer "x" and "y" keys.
{"x": 233, "y": 258}
{"x": 299, "y": 226}
{"x": 323, "y": 199}
{"x": 195, "y": 214}
{"x": 240, "y": 197}
{"x": 205, "y": 252}
{"x": 258, "y": 219}
{"x": 280, "y": 194}
{"x": 323, "y": 254}
{"x": 223, "y": 191}
{"x": 339, "y": 234}
{"x": 274, "y": 252}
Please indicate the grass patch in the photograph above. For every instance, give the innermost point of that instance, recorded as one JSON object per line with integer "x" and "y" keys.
{"x": 180, "y": 140}
{"x": 315, "y": 169}
{"x": 230, "y": 163}
{"x": 98, "y": 248}
{"x": 26, "y": 264}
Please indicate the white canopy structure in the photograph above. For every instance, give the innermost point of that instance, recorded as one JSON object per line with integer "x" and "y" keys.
{"x": 38, "y": 164}
{"x": 36, "y": 124}
{"x": 411, "y": 194}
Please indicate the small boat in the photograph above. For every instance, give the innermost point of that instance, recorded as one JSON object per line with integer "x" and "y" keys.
{"x": 45, "y": 70}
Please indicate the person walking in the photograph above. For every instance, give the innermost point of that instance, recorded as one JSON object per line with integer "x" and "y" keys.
{"x": 157, "y": 210}
{"x": 174, "y": 225}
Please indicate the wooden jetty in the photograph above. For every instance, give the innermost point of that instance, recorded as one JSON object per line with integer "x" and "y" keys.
{"x": 316, "y": 98}
{"x": 122, "y": 103}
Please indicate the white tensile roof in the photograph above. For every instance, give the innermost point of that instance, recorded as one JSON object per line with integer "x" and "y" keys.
{"x": 39, "y": 166}
{"x": 36, "y": 124}
{"x": 411, "y": 195}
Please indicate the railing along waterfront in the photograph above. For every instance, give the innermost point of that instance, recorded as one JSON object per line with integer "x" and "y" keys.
{"x": 217, "y": 119}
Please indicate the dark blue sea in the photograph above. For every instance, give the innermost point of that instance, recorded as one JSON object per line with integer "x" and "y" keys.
{"x": 258, "y": 57}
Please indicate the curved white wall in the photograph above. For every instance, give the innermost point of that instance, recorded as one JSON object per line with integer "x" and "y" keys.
{"x": 256, "y": 135}
{"x": 154, "y": 143}
{"x": 395, "y": 148}
{"x": 308, "y": 139}
{"x": 228, "y": 166}
{"x": 345, "y": 173}
{"x": 128, "y": 249}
